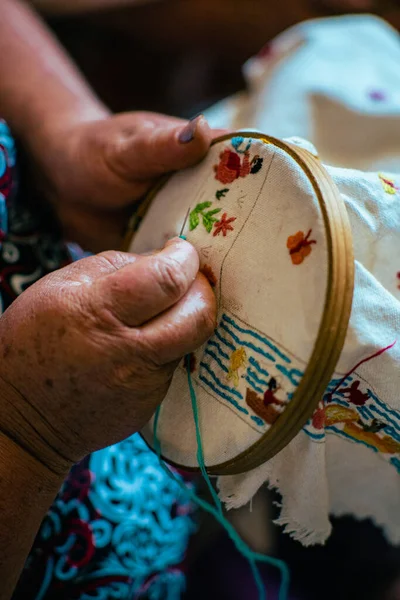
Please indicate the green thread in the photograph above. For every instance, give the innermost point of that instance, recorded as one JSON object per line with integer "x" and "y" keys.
{"x": 241, "y": 546}
{"x": 207, "y": 217}
{"x": 221, "y": 193}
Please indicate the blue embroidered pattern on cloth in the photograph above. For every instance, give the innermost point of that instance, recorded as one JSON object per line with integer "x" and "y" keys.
{"x": 253, "y": 375}
{"x": 239, "y": 364}
{"x": 119, "y": 525}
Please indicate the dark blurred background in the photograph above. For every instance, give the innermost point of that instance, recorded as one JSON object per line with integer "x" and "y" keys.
{"x": 179, "y": 57}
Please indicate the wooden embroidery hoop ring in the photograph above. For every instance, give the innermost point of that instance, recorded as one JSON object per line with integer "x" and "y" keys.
{"x": 335, "y": 319}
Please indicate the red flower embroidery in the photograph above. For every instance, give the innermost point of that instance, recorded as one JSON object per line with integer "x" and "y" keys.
{"x": 231, "y": 166}
{"x": 224, "y": 225}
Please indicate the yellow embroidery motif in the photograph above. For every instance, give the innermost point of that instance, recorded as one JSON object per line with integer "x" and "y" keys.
{"x": 388, "y": 184}
{"x": 238, "y": 361}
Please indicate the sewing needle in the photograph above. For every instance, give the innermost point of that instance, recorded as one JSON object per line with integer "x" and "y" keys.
{"x": 183, "y": 237}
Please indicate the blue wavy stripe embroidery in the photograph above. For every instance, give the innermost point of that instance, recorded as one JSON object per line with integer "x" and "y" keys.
{"x": 384, "y": 406}
{"x": 256, "y": 378}
{"x": 217, "y": 360}
{"x": 391, "y": 431}
{"x": 290, "y": 374}
{"x": 247, "y": 344}
{"x": 314, "y": 436}
{"x": 396, "y": 463}
{"x": 335, "y": 382}
{"x": 333, "y": 429}
{"x": 257, "y": 336}
{"x": 258, "y": 421}
{"x": 257, "y": 366}
{"x": 215, "y": 344}
{"x": 225, "y": 341}
{"x": 225, "y": 396}
{"x": 219, "y": 382}
{"x": 253, "y": 385}
{"x": 341, "y": 402}
{"x": 370, "y": 412}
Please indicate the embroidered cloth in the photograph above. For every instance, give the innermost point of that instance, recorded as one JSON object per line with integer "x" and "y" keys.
{"x": 334, "y": 85}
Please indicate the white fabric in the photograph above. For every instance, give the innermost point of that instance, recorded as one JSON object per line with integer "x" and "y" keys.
{"x": 335, "y": 83}
{"x": 263, "y": 299}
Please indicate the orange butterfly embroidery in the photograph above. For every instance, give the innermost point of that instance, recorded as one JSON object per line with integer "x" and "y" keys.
{"x": 299, "y": 246}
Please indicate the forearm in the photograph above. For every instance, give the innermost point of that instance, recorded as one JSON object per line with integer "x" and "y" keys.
{"x": 39, "y": 85}
{"x": 26, "y": 491}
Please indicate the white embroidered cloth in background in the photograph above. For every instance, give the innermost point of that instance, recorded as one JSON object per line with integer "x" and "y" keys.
{"x": 335, "y": 83}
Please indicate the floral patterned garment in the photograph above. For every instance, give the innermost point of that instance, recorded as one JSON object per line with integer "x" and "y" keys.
{"x": 120, "y": 525}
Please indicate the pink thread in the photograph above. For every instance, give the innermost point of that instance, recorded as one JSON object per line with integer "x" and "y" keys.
{"x": 359, "y": 364}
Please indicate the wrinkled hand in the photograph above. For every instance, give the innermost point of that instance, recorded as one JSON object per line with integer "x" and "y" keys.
{"x": 95, "y": 171}
{"x": 88, "y": 352}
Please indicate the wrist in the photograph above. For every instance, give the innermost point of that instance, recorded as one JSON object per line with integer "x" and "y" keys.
{"x": 24, "y": 473}
{"x": 31, "y": 438}
{"x": 27, "y": 490}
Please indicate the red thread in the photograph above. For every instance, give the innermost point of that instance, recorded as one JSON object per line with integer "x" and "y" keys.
{"x": 224, "y": 225}
{"x": 361, "y": 363}
{"x": 388, "y": 185}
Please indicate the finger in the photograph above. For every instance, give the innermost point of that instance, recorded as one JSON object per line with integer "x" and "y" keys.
{"x": 146, "y": 287}
{"x": 183, "y": 328}
{"x": 88, "y": 270}
{"x": 155, "y": 149}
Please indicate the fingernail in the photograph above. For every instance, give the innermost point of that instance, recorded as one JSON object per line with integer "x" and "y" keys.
{"x": 189, "y": 131}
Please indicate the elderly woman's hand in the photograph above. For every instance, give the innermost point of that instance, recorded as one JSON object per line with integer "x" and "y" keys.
{"x": 88, "y": 352}
{"x": 96, "y": 170}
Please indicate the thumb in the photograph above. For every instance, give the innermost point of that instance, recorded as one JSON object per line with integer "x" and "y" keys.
{"x": 158, "y": 148}
{"x": 139, "y": 290}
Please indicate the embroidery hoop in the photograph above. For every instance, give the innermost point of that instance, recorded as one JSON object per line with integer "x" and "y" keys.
{"x": 335, "y": 319}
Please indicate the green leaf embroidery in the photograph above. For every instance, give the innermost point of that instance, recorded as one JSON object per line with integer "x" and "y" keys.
{"x": 193, "y": 220}
{"x": 200, "y": 207}
{"x": 221, "y": 193}
{"x": 207, "y": 217}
